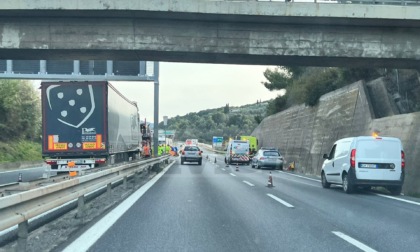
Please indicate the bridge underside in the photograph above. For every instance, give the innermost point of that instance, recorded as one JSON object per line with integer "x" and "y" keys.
{"x": 219, "y": 58}
{"x": 213, "y": 39}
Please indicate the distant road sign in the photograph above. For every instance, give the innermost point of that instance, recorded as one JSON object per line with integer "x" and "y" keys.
{"x": 217, "y": 139}
{"x": 217, "y": 142}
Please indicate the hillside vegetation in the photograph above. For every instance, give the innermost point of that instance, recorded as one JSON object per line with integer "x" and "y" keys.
{"x": 225, "y": 122}
{"x": 307, "y": 84}
{"x": 20, "y": 122}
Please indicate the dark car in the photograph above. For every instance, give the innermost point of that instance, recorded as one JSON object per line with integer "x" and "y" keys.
{"x": 191, "y": 154}
{"x": 267, "y": 158}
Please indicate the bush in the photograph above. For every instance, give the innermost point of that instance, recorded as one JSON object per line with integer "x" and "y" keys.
{"x": 20, "y": 151}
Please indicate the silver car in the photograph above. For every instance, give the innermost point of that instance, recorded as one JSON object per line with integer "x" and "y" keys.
{"x": 191, "y": 154}
{"x": 268, "y": 158}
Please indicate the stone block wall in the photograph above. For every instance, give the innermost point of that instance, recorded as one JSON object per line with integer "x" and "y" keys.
{"x": 303, "y": 134}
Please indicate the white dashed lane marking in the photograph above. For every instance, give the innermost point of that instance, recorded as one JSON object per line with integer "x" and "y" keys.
{"x": 354, "y": 242}
{"x": 248, "y": 183}
{"x": 279, "y": 200}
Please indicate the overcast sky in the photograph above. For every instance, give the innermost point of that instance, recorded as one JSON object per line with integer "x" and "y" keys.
{"x": 187, "y": 87}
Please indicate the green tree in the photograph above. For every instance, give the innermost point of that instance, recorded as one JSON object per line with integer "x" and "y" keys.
{"x": 218, "y": 118}
{"x": 226, "y": 109}
{"x": 276, "y": 105}
{"x": 20, "y": 113}
{"x": 308, "y": 84}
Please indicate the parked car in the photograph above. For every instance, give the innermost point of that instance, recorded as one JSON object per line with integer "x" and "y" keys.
{"x": 268, "y": 158}
{"x": 191, "y": 154}
{"x": 365, "y": 161}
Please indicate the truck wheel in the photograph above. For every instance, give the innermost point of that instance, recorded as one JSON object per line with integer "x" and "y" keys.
{"x": 395, "y": 190}
{"x": 348, "y": 186}
{"x": 324, "y": 181}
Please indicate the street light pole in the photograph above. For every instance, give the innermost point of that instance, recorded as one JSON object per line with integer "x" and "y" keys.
{"x": 165, "y": 122}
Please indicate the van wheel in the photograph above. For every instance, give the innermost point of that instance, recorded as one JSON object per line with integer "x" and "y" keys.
{"x": 324, "y": 181}
{"x": 347, "y": 184}
{"x": 395, "y": 190}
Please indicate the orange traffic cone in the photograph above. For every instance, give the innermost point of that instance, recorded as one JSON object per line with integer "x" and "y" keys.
{"x": 270, "y": 181}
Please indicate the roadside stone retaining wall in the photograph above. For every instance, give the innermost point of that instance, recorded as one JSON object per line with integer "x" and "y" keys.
{"x": 303, "y": 134}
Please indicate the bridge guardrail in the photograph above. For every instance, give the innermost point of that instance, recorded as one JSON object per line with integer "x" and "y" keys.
{"x": 371, "y": 2}
{"x": 19, "y": 208}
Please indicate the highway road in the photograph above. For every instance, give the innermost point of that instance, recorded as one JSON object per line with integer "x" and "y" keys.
{"x": 29, "y": 174}
{"x": 215, "y": 208}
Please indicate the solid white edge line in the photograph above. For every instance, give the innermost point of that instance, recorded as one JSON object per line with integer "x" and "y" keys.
{"x": 87, "y": 239}
{"x": 279, "y": 200}
{"x": 231, "y": 174}
{"x": 248, "y": 183}
{"x": 354, "y": 242}
{"x": 403, "y": 200}
{"x": 382, "y": 195}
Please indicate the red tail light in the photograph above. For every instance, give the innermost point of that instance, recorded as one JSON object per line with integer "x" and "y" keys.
{"x": 199, "y": 153}
{"x": 402, "y": 159}
{"x": 183, "y": 152}
{"x": 51, "y": 162}
{"x": 100, "y": 160}
{"x": 353, "y": 158}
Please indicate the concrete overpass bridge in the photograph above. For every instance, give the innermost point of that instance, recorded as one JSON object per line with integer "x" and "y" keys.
{"x": 233, "y": 32}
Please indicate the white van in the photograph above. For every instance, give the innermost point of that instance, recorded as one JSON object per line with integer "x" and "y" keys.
{"x": 237, "y": 152}
{"x": 365, "y": 161}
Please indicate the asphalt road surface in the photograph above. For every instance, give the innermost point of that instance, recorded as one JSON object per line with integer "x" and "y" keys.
{"x": 213, "y": 207}
{"x": 29, "y": 174}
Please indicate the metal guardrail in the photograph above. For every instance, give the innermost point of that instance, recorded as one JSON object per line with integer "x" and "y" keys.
{"x": 210, "y": 148}
{"x": 18, "y": 208}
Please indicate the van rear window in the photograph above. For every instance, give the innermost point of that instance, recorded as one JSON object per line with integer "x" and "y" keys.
{"x": 378, "y": 149}
{"x": 271, "y": 153}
